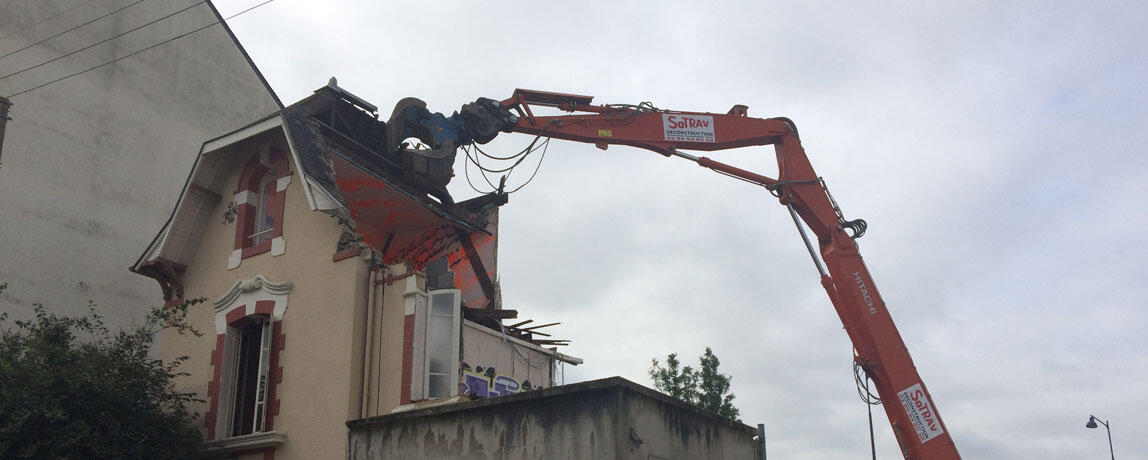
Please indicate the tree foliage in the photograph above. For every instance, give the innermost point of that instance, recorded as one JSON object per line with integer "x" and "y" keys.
{"x": 675, "y": 380}
{"x": 73, "y": 389}
{"x": 705, "y": 387}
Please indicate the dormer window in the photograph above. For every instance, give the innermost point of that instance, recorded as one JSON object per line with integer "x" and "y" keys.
{"x": 264, "y": 223}
{"x": 260, "y": 196}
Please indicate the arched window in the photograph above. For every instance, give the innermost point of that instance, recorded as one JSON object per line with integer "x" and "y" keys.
{"x": 260, "y": 197}
{"x": 265, "y": 210}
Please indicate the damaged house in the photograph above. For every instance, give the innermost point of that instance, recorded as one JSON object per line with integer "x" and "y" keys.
{"x": 354, "y": 311}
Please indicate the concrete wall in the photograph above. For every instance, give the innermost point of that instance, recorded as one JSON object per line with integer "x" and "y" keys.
{"x": 318, "y": 392}
{"x": 513, "y": 358}
{"x": 92, "y": 165}
{"x": 602, "y": 419}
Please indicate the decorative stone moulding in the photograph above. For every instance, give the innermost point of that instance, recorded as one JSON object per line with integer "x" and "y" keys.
{"x": 246, "y": 293}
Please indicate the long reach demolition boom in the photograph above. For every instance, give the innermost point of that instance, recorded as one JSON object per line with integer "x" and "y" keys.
{"x": 880, "y": 351}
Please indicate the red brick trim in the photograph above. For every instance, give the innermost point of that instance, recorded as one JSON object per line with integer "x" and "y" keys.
{"x": 253, "y": 173}
{"x": 236, "y": 314}
{"x": 346, "y": 254}
{"x": 244, "y": 223}
{"x": 408, "y": 358}
{"x": 278, "y": 206}
{"x": 275, "y": 373}
{"x": 257, "y": 249}
{"x": 264, "y": 307}
{"x": 209, "y": 417}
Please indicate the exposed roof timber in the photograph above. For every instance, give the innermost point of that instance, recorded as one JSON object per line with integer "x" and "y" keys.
{"x": 517, "y": 341}
{"x": 540, "y": 326}
{"x": 488, "y": 313}
{"x": 519, "y": 323}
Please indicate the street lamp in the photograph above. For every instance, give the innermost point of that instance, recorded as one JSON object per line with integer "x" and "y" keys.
{"x": 1092, "y": 424}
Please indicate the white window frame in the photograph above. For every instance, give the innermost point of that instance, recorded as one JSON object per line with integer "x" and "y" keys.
{"x": 260, "y": 232}
{"x": 433, "y": 329}
{"x": 230, "y": 378}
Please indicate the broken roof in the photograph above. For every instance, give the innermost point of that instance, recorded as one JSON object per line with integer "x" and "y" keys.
{"x": 338, "y": 144}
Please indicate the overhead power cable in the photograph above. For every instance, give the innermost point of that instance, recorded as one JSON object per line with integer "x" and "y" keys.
{"x": 49, "y": 18}
{"x": 177, "y": 37}
{"x": 193, "y": 5}
{"x": 129, "y": 5}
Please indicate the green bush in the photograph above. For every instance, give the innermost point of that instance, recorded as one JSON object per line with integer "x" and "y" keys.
{"x": 70, "y": 388}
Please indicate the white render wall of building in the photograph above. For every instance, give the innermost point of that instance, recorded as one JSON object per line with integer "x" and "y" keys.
{"x": 92, "y": 164}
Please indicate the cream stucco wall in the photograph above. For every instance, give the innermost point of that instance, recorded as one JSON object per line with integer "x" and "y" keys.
{"x": 387, "y": 367}
{"x": 319, "y": 387}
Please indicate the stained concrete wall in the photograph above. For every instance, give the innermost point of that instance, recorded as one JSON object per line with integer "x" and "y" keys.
{"x": 92, "y": 165}
{"x": 521, "y": 361}
{"x": 602, "y": 419}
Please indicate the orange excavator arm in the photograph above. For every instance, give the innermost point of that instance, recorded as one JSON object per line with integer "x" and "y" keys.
{"x": 880, "y": 351}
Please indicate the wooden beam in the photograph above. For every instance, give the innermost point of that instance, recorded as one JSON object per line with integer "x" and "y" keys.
{"x": 540, "y": 326}
{"x": 485, "y": 313}
{"x": 519, "y": 324}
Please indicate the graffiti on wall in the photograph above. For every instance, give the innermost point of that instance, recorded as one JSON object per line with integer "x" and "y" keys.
{"x": 487, "y": 383}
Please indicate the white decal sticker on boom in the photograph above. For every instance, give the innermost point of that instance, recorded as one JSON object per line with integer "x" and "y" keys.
{"x": 688, "y": 128}
{"x": 921, "y": 413}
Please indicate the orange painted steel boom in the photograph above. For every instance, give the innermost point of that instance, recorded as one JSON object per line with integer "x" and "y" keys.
{"x": 878, "y": 345}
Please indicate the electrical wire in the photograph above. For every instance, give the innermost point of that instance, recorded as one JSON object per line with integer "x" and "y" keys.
{"x": 193, "y": 5}
{"x": 511, "y": 157}
{"x": 545, "y": 145}
{"x": 213, "y": 23}
{"x": 49, "y": 18}
{"x": 861, "y": 378}
{"x": 521, "y": 156}
{"x": 466, "y": 172}
{"x": 137, "y": 2}
{"x": 514, "y": 347}
{"x": 872, "y": 438}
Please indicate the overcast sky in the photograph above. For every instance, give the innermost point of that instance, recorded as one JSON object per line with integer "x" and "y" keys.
{"x": 995, "y": 150}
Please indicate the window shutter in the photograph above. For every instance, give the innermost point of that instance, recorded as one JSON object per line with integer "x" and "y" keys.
{"x": 443, "y": 326}
{"x": 264, "y": 367}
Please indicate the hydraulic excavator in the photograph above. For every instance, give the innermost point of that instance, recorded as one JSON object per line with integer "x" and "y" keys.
{"x": 880, "y": 353}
